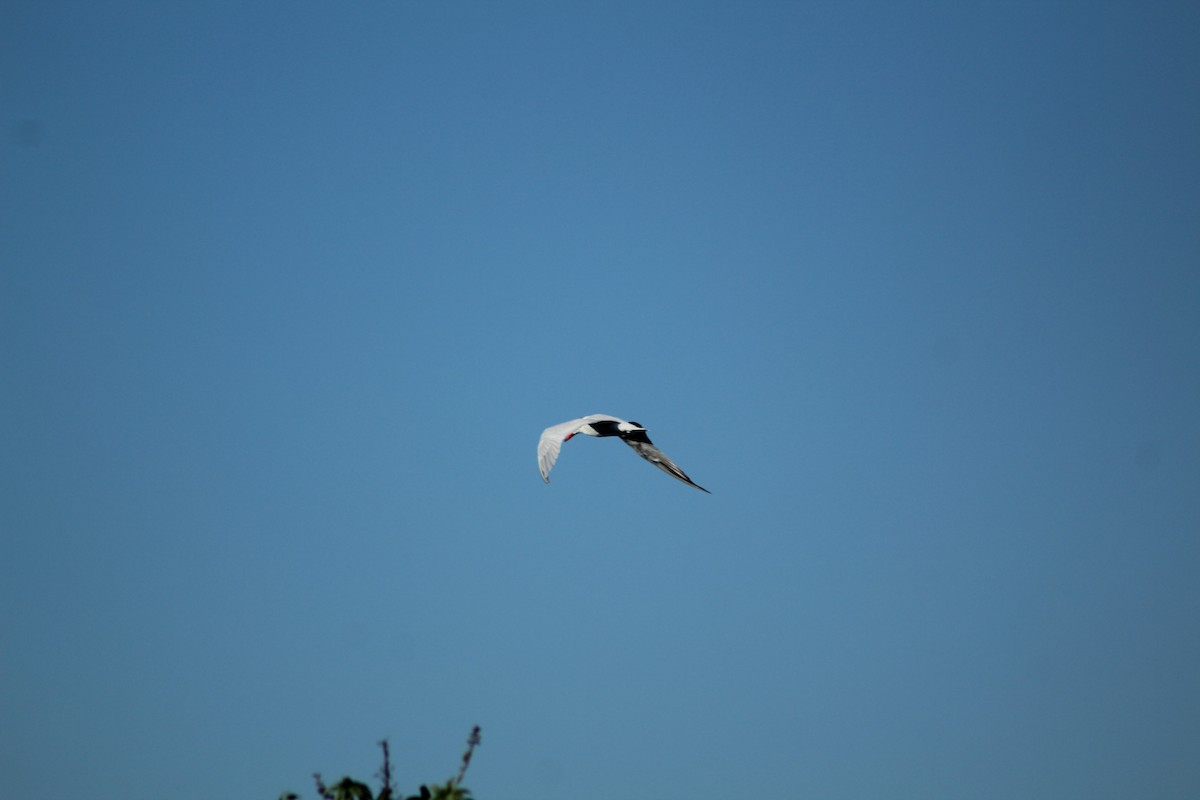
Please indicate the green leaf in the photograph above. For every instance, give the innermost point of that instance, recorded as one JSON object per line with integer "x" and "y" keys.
{"x": 451, "y": 791}
{"x": 348, "y": 789}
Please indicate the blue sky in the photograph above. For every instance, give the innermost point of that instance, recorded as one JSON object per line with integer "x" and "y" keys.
{"x": 289, "y": 291}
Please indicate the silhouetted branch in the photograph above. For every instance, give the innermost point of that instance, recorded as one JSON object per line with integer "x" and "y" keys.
{"x": 387, "y": 790}
{"x": 472, "y": 742}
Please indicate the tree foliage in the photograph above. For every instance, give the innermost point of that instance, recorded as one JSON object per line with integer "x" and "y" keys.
{"x": 349, "y": 789}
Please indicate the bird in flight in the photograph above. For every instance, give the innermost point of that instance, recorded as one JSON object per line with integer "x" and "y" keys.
{"x": 631, "y": 433}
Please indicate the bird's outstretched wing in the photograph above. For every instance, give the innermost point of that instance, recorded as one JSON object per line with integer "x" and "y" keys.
{"x": 642, "y": 445}
{"x": 552, "y": 438}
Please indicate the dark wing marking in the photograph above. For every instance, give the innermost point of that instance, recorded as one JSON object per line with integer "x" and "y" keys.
{"x": 642, "y": 445}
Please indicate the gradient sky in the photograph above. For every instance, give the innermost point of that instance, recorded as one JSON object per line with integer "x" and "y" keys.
{"x": 289, "y": 290}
